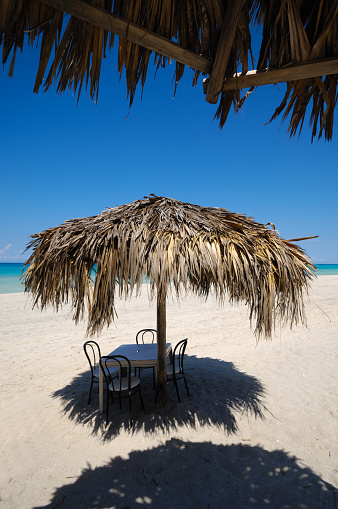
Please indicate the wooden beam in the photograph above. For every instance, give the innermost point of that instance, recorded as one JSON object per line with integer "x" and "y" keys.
{"x": 224, "y": 47}
{"x": 107, "y": 21}
{"x": 130, "y": 31}
{"x": 294, "y": 72}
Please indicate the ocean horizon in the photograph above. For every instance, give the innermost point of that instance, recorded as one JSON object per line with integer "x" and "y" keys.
{"x": 10, "y": 275}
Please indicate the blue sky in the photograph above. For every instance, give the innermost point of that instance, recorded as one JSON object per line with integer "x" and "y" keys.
{"x": 61, "y": 160}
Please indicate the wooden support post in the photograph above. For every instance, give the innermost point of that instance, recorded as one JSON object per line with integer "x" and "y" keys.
{"x": 161, "y": 386}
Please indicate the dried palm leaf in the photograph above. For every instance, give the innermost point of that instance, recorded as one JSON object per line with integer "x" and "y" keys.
{"x": 178, "y": 247}
{"x": 292, "y": 31}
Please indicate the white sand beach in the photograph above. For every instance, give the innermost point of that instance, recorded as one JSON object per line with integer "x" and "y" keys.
{"x": 259, "y": 430}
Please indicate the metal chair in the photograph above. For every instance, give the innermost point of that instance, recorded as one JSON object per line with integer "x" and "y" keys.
{"x": 93, "y": 354}
{"x": 175, "y": 371}
{"x": 150, "y": 335}
{"x": 127, "y": 384}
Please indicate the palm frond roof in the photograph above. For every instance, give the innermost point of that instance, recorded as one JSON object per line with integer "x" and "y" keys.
{"x": 299, "y": 46}
{"x": 177, "y": 246}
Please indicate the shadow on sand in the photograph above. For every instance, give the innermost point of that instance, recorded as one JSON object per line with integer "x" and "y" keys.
{"x": 218, "y": 390}
{"x": 187, "y": 475}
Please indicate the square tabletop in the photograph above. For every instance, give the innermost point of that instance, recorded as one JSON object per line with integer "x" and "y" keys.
{"x": 140, "y": 355}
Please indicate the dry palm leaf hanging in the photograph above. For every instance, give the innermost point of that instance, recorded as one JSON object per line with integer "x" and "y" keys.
{"x": 178, "y": 247}
{"x": 293, "y": 31}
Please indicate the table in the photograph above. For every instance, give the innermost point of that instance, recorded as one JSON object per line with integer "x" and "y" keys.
{"x": 138, "y": 355}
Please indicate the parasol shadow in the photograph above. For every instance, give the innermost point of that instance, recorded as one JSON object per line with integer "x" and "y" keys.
{"x": 230, "y": 391}
{"x": 185, "y": 474}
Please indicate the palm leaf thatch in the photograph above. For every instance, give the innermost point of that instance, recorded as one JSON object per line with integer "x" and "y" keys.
{"x": 178, "y": 247}
{"x": 210, "y": 36}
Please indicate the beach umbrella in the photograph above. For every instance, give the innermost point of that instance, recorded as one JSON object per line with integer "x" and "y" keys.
{"x": 178, "y": 247}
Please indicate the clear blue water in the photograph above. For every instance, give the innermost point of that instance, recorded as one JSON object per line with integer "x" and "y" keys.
{"x": 10, "y": 274}
{"x": 9, "y": 278}
{"x": 327, "y": 269}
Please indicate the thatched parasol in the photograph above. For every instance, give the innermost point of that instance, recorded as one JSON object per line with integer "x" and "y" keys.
{"x": 178, "y": 247}
{"x": 298, "y": 46}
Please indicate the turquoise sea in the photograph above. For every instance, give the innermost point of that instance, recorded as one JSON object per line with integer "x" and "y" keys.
{"x": 10, "y": 274}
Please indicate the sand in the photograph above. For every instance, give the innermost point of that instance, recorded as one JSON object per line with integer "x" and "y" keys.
{"x": 259, "y": 430}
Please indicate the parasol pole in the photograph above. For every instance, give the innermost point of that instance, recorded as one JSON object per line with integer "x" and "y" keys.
{"x": 161, "y": 375}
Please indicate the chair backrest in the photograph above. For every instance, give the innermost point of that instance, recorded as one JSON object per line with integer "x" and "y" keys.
{"x": 93, "y": 354}
{"x": 178, "y": 355}
{"x": 122, "y": 362}
{"x": 146, "y": 334}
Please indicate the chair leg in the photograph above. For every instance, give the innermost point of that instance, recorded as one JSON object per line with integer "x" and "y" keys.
{"x": 90, "y": 391}
{"x": 178, "y": 394}
{"x": 139, "y": 390}
{"x": 186, "y": 386}
{"x": 154, "y": 377}
{"x": 131, "y": 420}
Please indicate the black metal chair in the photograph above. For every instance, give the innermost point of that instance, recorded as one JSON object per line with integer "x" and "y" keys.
{"x": 149, "y": 334}
{"x": 175, "y": 371}
{"x": 93, "y": 354}
{"x": 123, "y": 387}
{"x": 146, "y": 336}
